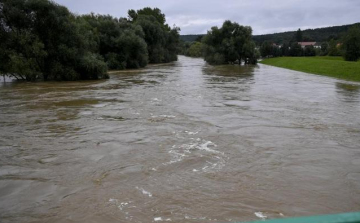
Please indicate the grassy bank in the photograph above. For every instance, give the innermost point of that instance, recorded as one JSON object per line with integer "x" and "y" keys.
{"x": 327, "y": 66}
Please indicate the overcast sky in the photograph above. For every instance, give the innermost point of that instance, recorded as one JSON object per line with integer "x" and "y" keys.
{"x": 264, "y": 16}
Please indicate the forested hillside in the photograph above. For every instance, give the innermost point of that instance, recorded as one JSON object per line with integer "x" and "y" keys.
{"x": 317, "y": 35}
{"x": 191, "y": 38}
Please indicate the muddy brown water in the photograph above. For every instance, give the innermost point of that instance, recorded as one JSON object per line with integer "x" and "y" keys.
{"x": 181, "y": 142}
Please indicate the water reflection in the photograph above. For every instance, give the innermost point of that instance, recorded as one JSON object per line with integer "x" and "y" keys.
{"x": 234, "y": 82}
{"x": 229, "y": 73}
{"x": 349, "y": 91}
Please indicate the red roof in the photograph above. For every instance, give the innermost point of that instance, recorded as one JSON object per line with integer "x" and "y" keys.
{"x": 307, "y": 43}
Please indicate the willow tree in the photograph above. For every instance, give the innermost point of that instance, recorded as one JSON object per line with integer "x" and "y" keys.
{"x": 41, "y": 39}
{"x": 119, "y": 41}
{"x": 231, "y": 43}
{"x": 162, "y": 41}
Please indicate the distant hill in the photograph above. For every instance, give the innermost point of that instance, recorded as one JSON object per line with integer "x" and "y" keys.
{"x": 317, "y": 35}
{"x": 190, "y": 38}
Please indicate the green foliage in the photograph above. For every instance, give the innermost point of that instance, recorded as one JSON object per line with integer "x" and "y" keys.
{"x": 285, "y": 49}
{"x": 199, "y": 38}
{"x": 351, "y": 44}
{"x": 162, "y": 41}
{"x": 327, "y": 66}
{"x": 92, "y": 65}
{"x": 195, "y": 49}
{"x": 229, "y": 44}
{"x": 333, "y": 48}
{"x": 266, "y": 49}
{"x": 324, "y": 49}
{"x": 296, "y": 50}
{"x": 299, "y": 36}
{"x": 119, "y": 41}
{"x": 147, "y": 11}
{"x": 41, "y": 39}
{"x": 249, "y": 53}
{"x": 309, "y": 51}
{"x": 257, "y": 53}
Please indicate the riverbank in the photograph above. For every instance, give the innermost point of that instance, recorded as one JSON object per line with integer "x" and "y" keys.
{"x": 327, "y": 66}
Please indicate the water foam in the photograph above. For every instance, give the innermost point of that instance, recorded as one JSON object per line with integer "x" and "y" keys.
{"x": 144, "y": 192}
{"x": 161, "y": 219}
{"x": 191, "y": 133}
{"x": 200, "y": 148}
{"x": 260, "y": 215}
{"x": 121, "y": 205}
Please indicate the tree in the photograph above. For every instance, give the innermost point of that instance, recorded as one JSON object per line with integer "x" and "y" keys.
{"x": 41, "y": 39}
{"x": 333, "y": 48}
{"x": 162, "y": 41}
{"x": 184, "y": 47}
{"x": 309, "y": 51}
{"x": 147, "y": 11}
{"x": 299, "y": 36}
{"x": 285, "y": 48}
{"x": 351, "y": 44}
{"x": 276, "y": 51}
{"x": 266, "y": 49}
{"x": 229, "y": 44}
{"x": 249, "y": 53}
{"x": 195, "y": 49}
{"x": 296, "y": 50}
{"x": 199, "y": 38}
{"x": 324, "y": 49}
{"x": 119, "y": 41}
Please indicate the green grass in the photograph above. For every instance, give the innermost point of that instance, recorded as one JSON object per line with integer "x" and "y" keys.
{"x": 327, "y": 66}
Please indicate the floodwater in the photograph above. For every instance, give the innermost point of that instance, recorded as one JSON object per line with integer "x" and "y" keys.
{"x": 181, "y": 142}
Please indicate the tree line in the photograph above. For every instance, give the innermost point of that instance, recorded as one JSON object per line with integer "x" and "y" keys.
{"x": 347, "y": 46}
{"x": 40, "y": 39}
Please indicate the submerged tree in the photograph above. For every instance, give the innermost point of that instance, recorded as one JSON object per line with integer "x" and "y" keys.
{"x": 229, "y": 44}
{"x": 195, "y": 49}
{"x": 120, "y": 42}
{"x": 40, "y": 39}
{"x": 162, "y": 41}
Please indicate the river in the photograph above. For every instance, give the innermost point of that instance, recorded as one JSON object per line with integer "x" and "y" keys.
{"x": 180, "y": 142}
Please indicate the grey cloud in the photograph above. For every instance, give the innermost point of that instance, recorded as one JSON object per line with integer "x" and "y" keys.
{"x": 263, "y": 16}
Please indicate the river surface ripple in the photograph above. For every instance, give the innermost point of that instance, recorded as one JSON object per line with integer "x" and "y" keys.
{"x": 181, "y": 142}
